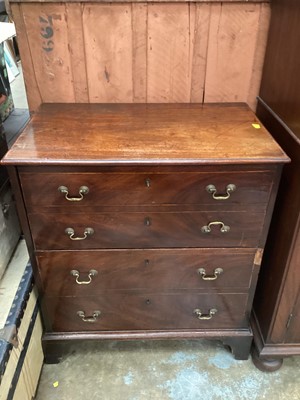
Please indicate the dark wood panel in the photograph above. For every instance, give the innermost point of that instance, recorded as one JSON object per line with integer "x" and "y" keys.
{"x": 292, "y": 287}
{"x": 139, "y": 134}
{"x": 275, "y": 266}
{"x": 155, "y": 169}
{"x": 41, "y": 189}
{"x": 276, "y": 304}
{"x": 280, "y": 87}
{"x": 151, "y": 311}
{"x": 146, "y": 230}
{"x": 287, "y": 321}
{"x": 144, "y": 270}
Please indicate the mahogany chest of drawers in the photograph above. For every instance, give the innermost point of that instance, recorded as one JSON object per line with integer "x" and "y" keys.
{"x": 145, "y": 221}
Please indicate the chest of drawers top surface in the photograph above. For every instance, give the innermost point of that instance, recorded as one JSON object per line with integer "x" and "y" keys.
{"x": 142, "y": 134}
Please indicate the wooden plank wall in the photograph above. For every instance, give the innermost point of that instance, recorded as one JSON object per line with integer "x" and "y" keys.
{"x": 141, "y": 52}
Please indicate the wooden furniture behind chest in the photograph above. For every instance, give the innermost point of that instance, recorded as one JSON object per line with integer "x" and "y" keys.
{"x": 135, "y": 51}
{"x": 145, "y": 221}
{"x": 276, "y": 317}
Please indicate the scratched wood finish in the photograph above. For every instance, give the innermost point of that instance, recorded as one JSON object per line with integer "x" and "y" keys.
{"x": 141, "y": 53}
{"x": 143, "y": 269}
{"x": 229, "y": 74}
{"x": 108, "y": 51}
{"x": 149, "y": 311}
{"x": 33, "y": 94}
{"x": 49, "y": 44}
{"x": 76, "y": 48}
{"x": 139, "y": 134}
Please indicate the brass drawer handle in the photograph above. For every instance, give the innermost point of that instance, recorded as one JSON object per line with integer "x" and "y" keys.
{"x": 87, "y": 232}
{"x": 217, "y": 272}
{"x": 92, "y": 318}
{"x": 208, "y": 316}
{"x": 148, "y": 182}
{"x": 212, "y": 190}
{"x": 82, "y": 191}
{"x": 76, "y": 273}
{"x": 207, "y": 228}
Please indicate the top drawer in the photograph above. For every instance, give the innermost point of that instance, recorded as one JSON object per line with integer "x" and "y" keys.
{"x": 120, "y": 189}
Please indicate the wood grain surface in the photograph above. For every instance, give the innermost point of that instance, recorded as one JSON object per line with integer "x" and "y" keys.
{"x": 94, "y": 134}
{"x": 149, "y": 311}
{"x": 131, "y": 189}
{"x": 277, "y": 300}
{"x": 146, "y": 229}
{"x": 157, "y": 52}
{"x": 142, "y": 270}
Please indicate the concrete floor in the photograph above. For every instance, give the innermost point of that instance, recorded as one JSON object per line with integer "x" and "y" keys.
{"x": 160, "y": 370}
{"x": 163, "y": 370}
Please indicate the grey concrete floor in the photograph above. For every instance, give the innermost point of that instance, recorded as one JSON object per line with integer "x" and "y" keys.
{"x": 163, "y": 370}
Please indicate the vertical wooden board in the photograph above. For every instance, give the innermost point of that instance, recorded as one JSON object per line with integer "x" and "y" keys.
{"x": 139, "y": 52}
{"x": 168, "y": 56}
{"x": 9, "y": 372}
{"x": 77, "y": 51}
{"x": 32, "y": 90}
{"x": 48, "y": 38}
{"x": 108, "y": 48}
{"x": 290, "y": 295}
{"x": 259, "y": 55}
{"x": 199, "y": 26}
{"x": 32, "y": 365}
{"x": 232, "y": 41}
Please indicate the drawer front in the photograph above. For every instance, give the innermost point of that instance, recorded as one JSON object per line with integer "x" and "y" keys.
{"x": 42, "y": 189}
{"x": 141, "y": 230}
{"x": 84, "y": 273}
{"x": 150, "y": 311}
